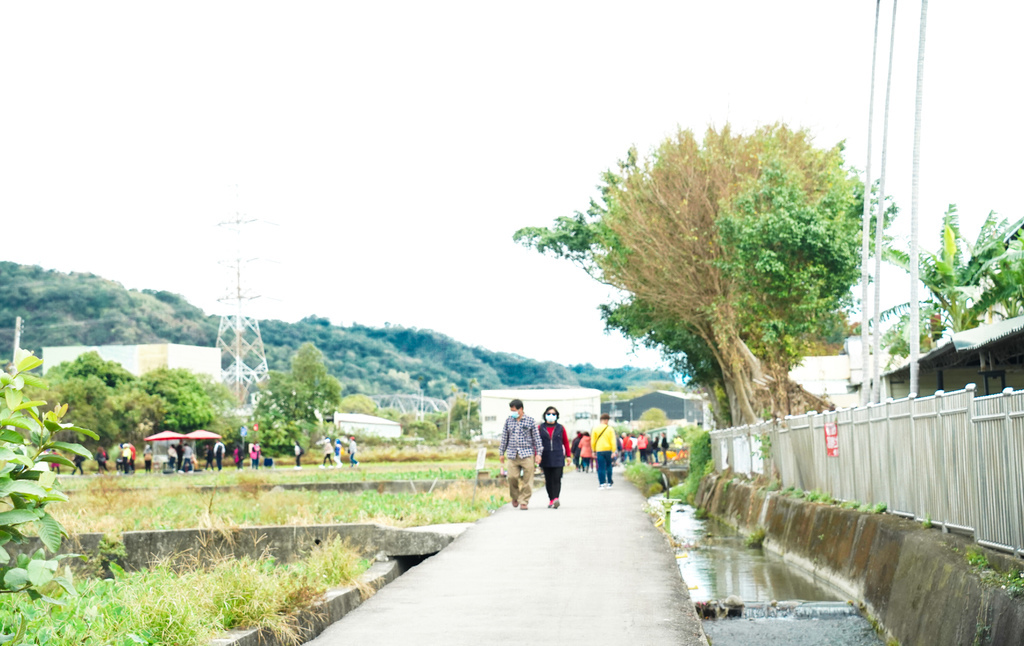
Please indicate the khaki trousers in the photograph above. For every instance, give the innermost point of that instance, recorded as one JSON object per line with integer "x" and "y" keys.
{"x": 520, "y": 487}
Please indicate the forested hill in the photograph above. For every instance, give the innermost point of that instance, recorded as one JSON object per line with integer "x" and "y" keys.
{"x": 71, "y": 309}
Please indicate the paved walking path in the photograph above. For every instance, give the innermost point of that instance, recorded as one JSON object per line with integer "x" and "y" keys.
{"x": 593, "y": 572}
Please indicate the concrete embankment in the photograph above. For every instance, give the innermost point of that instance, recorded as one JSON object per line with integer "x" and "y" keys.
{"x": 915, "y": 582}
{"x": 138, "y": 550}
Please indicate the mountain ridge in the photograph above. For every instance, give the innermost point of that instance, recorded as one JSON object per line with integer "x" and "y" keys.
{"x": 81, "y": 308}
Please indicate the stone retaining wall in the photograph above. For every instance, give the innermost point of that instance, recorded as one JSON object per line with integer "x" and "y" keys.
{"x": 911, "y": 579}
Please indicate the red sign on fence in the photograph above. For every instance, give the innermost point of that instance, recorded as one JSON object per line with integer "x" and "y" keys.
{"x": 832, "y": 439}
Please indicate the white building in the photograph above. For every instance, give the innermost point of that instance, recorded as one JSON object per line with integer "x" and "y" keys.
{"x": 579, "y": 408}
{"x": 359, "y": 424}
{"x": 140, "y": 359}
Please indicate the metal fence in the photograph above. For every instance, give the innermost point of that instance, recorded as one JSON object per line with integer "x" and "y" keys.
{"x": 954, "y": 458}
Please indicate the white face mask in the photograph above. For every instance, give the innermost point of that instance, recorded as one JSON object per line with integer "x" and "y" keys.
{"x": 551, "y": 418}
{"x": 514, "y": 414}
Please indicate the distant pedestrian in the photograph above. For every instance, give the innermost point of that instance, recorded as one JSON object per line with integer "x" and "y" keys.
{"x": 254, "y": 454}
{"x": 641, "y": 444}
{"x": 101, "y": 460}
{"x": 337, "y": 452}
{"x": 126, "y": 459}
{"x": 604, "y": 449}
{"x": 627, "y": 448}
{"x": 521, "y": 444}
{"x": 147, "y": 458}
{"x": 556, "y": 448}
{"x": 586, "y": 452}
{"x": 238, "y": 457}
{"x": 209, "y": 457}
{"x": 298, "y": 455}
{"x": 186, "y": 459}
{"x": 78, "y": 460}
{"x": 352, "y": 462}
{"x": 218, "y": 453}
{"x": 328, "y": 453}
{"x": 576, "y": 450}
{"x": 664, "y": 449}
{"x": 172, "y": 457}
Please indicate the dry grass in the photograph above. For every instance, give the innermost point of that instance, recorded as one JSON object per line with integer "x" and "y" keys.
{"x": 186, "y": 508}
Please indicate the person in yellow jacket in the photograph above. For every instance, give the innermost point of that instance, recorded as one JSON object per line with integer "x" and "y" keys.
{"x": 603, "y": 441}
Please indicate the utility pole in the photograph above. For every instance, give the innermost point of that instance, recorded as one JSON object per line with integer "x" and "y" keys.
{"x": 239, "y": 335}
{"x": 17, "y": 336}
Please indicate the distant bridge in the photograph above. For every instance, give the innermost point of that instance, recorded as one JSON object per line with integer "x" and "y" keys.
{"x": 411, "y": 403}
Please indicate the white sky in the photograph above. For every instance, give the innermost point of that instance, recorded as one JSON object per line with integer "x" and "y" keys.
{"x": 398, "y": 145}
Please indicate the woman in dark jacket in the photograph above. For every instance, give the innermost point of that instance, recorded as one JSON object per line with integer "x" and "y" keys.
{"x": 556, "y": 448}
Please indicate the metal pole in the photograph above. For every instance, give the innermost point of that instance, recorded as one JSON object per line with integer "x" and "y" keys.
{"x": 17, "y": 338}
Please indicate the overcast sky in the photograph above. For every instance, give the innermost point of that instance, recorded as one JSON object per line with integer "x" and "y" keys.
{"x": 397, "y": 146}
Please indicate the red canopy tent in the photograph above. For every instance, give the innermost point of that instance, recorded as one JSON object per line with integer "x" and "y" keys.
{"x": 202, "y": 435}
{"x": 166, "y": 435}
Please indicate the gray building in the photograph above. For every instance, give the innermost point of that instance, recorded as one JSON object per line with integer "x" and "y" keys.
{"x": 681, "y": 408}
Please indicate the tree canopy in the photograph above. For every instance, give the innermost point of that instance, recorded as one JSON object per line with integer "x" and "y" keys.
{"x": 730, "y": 253}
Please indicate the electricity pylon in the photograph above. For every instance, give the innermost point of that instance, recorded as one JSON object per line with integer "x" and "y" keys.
{"x": 239, "y": 335}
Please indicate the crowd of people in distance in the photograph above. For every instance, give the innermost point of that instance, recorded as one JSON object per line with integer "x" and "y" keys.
{"x": 185, "y": 457}
{"x": 648, "y": 449}
{"x": 332, "y": 452}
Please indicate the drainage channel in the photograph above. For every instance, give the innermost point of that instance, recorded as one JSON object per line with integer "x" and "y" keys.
{"x": 751, "y": 597}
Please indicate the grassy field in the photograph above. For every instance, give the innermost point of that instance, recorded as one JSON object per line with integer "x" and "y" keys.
{"x": 186, "y": 606}
{"x": 425, "y": 470}
{"x": 108, "y": 508}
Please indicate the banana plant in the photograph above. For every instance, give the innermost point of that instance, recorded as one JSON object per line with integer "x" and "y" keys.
{"x": 965, "y": 280}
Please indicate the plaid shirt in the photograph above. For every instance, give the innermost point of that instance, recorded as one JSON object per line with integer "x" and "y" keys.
{"x": 520, "y": 438}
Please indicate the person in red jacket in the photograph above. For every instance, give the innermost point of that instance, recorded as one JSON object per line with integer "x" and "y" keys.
{"x": 556, "y": 449}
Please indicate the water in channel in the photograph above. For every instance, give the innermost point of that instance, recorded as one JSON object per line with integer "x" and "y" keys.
{"x": 716, "y": 564}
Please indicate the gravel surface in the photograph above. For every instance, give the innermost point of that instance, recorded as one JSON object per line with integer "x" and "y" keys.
{"x": 847, "y": 631}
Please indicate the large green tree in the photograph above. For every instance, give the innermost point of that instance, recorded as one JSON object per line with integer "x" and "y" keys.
{"x": 293, "y": 403}
{"x": 188, "y": 406}
{"x": 746, "y": 242}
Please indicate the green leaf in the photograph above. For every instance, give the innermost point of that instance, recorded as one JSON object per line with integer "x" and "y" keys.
{"x": 83, "y": 431}
{"x": 66, "y": 582}
{"x": 28, "y": 363}
{"x": 6, "y": 453}
{"x": 58, "y": 459}
{"x": 13, "y": 398}
{"x": 14, "y": 437}
{"x": 41, "y": 572}
{"x": 22, "y": 487}
{"x": 18, "y": 516}
{"x": 54, "y": 496}
{"x": 51, "y": 532}
{"x": 71, "y": 447}
{"x": 34, "y": 381}
{"x": 16, "y": 577}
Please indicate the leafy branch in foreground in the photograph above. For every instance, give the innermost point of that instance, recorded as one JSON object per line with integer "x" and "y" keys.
{"x": 27, "y": 444}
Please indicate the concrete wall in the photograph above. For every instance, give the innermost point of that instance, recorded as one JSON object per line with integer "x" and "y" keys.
{"x": 139, "y": 550}
{"x": 910, "y": 578}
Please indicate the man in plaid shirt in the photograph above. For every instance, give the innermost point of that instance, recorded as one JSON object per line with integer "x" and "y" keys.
{"x": 520, "y": 443}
